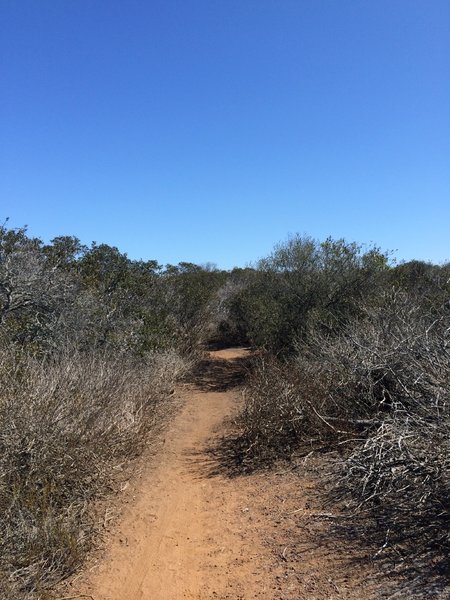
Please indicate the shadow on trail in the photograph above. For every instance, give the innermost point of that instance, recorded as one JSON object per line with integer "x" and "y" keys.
{"x": 220, "y": 375}
{"x": 225, "y": 457}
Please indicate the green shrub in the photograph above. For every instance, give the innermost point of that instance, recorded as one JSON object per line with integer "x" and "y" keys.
{"x": 303, "y": 284}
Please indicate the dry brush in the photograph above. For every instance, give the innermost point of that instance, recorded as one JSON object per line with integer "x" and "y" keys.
{"x": 66, "y": 424}
{"x": 377, "y": 395}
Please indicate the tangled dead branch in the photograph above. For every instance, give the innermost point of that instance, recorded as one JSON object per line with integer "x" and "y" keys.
{"x": 378, "y": 395}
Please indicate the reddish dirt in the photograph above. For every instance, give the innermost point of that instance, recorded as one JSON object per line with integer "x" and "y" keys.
{"x": 193, "y": 531}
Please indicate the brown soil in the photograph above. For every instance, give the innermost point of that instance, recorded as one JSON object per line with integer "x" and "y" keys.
{"x": 194, "y": 528}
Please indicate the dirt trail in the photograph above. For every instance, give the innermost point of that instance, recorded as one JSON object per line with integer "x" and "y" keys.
{"x": 195, "y": 527}
{"x": 185, "y": 535}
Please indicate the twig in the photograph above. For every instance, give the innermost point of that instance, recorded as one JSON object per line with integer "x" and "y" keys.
{"x": 78, "y": 596}
{"x": 295, "y": 511}
{"x": 384, "y": 545}
{"x": 295, "y": 466}
{"x": 325, "y": 421}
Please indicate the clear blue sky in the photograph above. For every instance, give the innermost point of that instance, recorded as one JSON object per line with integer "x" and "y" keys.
{"x": 208, "y": 130}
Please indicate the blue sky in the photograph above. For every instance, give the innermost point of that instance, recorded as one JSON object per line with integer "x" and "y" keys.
{"x": 208, "y": 130}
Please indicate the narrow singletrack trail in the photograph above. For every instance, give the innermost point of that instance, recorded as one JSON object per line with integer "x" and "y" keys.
{"x": 186, "y": 532}
{"x": 195, "y": 525}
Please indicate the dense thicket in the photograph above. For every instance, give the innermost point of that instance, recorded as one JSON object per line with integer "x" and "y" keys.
{"x": 91, "y": 343}
{"x": 302, "y": 285}
{"x": 355, "y": 360}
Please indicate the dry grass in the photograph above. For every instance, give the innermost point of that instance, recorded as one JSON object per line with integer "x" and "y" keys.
{"x": 65, "y": 424}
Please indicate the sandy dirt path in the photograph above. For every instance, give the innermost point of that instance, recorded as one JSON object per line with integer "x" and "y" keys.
{"x": 186, "y": 533}
{"x": 196, "y": 525}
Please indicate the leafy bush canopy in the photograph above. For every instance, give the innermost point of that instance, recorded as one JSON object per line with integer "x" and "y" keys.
{"x": 304, "y": 283}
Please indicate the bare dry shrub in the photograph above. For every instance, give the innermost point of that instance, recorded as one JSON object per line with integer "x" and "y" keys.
{"x": 65, "y": 424}
{"x": 396, "y": 486}
{"x": 392, "y": 361}
{"x": 272, "y": 417}
{"x": 399, "y": 476}
{"x": 379, "y": 394}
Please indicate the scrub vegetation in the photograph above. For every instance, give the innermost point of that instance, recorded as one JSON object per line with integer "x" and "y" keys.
{"x": 354, "y": 364}
{"x": 91, "y": 344}
{"x": 351, "y": 363}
